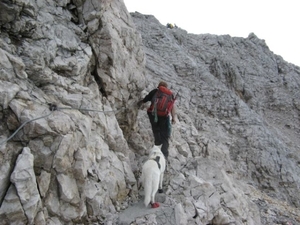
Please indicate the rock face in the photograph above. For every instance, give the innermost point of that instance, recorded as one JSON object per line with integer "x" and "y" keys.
{"x": 72, "y": 140}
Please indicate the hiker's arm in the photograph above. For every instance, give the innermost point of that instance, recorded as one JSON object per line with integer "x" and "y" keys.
{"x": 147, "y": 98}
{"x": 173, "y": 114}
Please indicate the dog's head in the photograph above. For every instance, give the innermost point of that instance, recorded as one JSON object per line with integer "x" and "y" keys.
{"x": 157, "y": 155}
{"x": 156, "y": 150}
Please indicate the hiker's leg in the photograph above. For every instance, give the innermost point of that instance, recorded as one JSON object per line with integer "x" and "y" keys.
{"x": 160, "y": 188}
{"x": 165, "y": 146}
{"x": 164, "y": 135}
{"x": 155, "y": 130}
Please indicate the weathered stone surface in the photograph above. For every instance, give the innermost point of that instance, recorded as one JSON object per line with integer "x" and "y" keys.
{"x": 68, "y": 189}
{"x": 24, "y": 179}
{"x": 43, "y": 182}
{"x": 71, "y": 74}
{"x": 180, "y": 216}
{"x": 11, "y": 210}
{"x": 8, "y": 92}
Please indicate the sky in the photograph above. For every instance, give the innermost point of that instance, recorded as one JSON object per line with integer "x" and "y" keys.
{"x": 275, "y": 21}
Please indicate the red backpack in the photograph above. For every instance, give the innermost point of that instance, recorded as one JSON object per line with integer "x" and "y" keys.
{"x": 162, "y": 101}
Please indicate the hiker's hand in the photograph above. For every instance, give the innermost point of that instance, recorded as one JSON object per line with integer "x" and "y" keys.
{"x": 173, "y": 121}
{"x": 140, "y": 103}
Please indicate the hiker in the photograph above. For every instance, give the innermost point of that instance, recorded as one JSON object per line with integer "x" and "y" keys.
{"x": 169, "y": 25}
{"x": 160, "y": 122}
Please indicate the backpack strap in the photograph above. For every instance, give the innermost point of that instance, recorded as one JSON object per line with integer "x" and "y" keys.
{"x": 154, "y": 112}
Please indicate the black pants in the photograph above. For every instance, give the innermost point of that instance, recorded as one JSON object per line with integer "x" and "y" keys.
{"x": 161, "y": 131}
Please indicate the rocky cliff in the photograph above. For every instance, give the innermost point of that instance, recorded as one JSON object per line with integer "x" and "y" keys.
{"x": 72, "y": 140}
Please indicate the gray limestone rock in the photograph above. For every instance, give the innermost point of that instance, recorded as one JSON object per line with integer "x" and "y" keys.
{"x": 72, "y": 139}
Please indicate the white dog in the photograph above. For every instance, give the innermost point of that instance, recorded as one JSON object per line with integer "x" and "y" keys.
{"x": 152, "y": 175}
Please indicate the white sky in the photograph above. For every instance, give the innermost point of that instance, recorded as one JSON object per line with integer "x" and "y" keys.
{"x": 275, "y": 21}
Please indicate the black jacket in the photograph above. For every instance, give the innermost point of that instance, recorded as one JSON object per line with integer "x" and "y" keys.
{"x": 150, "y": 95}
